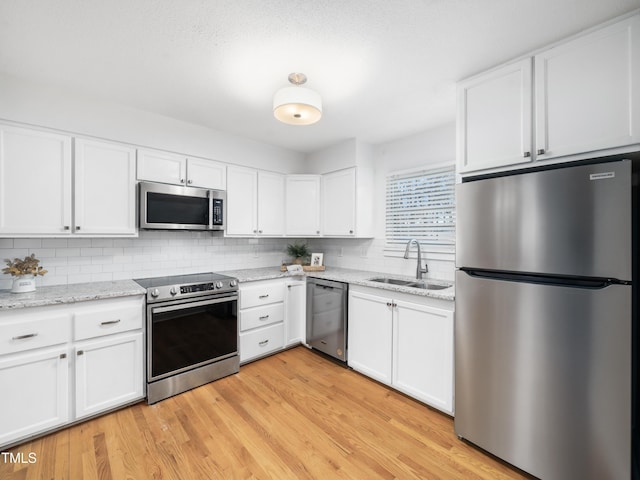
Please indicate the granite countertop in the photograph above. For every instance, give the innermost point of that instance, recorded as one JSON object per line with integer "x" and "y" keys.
{"x": 356, "y": 277}
{"x": 58, "y": 294}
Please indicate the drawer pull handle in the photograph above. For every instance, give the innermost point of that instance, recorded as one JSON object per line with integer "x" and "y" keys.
{"x": 263, "y": 317}
{"x": 264, "y": 296}
{"x": 28, "y": 335}
{"x": 263, "y": 343}
{"x": 110, "y": 322}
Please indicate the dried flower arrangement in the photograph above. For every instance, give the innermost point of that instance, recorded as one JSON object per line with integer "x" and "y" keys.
{"x": 28, "y": 266}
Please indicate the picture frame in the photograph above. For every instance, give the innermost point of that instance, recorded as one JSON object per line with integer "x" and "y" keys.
{"x": 317, "y": 259}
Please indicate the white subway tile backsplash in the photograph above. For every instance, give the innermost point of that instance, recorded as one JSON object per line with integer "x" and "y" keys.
{"x": 68, "y": 252}
{"x": 156, "y": 253}
{"x": 54, "y": 242}
{"x": 27, "y": 243}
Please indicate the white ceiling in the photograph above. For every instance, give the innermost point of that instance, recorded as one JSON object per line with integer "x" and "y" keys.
{"x": 385, "y": 69}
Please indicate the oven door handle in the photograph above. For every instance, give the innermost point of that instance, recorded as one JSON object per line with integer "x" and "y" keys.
{"x": 202, "y": 303}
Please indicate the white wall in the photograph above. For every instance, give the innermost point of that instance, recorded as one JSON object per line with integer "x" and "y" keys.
{"x": 432, "y": 147}
{"x": 47, "y": 106}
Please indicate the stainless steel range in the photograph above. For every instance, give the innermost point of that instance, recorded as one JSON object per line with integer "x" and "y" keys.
{"x": 192, "y": 332}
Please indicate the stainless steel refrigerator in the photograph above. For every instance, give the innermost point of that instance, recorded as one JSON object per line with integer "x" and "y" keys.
{"x": 543, "y": 333}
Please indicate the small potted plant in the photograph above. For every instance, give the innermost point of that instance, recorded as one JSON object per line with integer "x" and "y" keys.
{"x": 25, "y": 273}
{"x": 299, "y": 252}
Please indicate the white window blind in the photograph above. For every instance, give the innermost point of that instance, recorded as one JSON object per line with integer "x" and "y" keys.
{"x": 421, "y": 205}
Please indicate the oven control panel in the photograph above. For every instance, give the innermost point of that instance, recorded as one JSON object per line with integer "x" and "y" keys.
{"x": 202, "y": 287}
{"x": 168, "y": 292}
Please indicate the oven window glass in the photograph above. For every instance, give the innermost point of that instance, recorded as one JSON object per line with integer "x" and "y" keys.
{"x": 189, "y": 336}
{"x": 177, "y": 209}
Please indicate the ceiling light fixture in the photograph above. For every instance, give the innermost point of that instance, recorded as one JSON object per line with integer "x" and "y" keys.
{"x": 297, "y": 105}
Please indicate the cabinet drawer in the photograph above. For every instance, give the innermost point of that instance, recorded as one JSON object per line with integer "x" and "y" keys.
{"x": 261, "y": 341}
{"x": 261, "y": 293}
{"x": 28, "y": 332}
{"x": 107, "y": 318}
{"x": 261, "y": 316}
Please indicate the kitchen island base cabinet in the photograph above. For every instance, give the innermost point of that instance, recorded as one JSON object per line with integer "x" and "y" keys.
{"x": 34, "y": 397}
{"x": 405, "y": 342}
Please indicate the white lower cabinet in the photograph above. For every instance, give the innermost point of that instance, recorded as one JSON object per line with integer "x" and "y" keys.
{"x": 35, "y": 392}
{"x": 63, "y": 363}
{"x": 261, "y": 318}
{"x": 295, "y": 312}
{"x": 109, "y": 372}
{"x": 423, "y": 353}
{"x": 369, "y": 335}
{"x": 405, "y": 341}
{"x": 261, "y": 341}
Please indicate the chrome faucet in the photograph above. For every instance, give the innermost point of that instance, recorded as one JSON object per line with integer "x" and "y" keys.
{"x": 419, "y": 269}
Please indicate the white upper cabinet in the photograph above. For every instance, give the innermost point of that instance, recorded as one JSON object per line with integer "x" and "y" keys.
{"x": 587, "y": 92}
{"x": 35, "y": 182}
{"x": 105, "y": 188}
{"x": 494, "y": 118}
{"x": 271, "y": 192}
{"x": 166, "y": 167}
{"x": 163, "y": 167}
{"x": 242, "y": 197}
{"x": 339, "y": 203}
{"x": 347, "y": 209}
{"x": 587, "y": 99}
{"x": 255, "y": 202}
{"x": 205, "y": 173}
{"x": 46, "y": 193}
{"x": 302, "y": 210}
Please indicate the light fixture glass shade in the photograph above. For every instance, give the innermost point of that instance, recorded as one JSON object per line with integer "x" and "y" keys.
{"x": 297, "y": 106}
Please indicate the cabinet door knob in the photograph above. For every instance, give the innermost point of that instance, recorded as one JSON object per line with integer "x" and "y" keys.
{"x": 63, "y": 355}
{"x": 527, "y": 154}
{"x": 67, "y": 227}
{"x": 318, "y": 232}
{"x": 77, "y": 227}
{"x": 541, "y": 151}
{"x": 350, "y": 231}
{"x": 182, "y": 180}
{"x": 189, "y": 182}
{"x": 259, "y": 231}
{"x": 80, "y": 352}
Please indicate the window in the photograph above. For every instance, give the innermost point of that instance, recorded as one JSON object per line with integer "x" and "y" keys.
{"x": 421, "y": 205}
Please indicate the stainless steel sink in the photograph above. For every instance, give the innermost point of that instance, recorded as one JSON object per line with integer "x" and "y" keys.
{"x": 429, "y": 286}
{"x": 411, "y": 283}
{"x": 392, "y": 281}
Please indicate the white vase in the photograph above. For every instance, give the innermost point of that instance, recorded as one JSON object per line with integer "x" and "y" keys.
{"x": 24, "y": 283}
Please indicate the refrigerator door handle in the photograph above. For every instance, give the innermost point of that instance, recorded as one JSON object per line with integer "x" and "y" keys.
{"x": 552, "y": 280}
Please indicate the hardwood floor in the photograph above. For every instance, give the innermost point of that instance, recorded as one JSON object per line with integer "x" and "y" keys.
{"x": 294, "y": 415}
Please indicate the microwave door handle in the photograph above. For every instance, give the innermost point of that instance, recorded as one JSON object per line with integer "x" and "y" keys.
{"x": 210, "y": 195}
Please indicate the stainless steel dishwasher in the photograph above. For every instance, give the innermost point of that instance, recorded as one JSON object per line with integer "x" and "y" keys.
{"x": 327, "y": 317}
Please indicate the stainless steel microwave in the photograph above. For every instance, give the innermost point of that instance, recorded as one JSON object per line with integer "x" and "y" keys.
{"x": 171, "y": 207}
